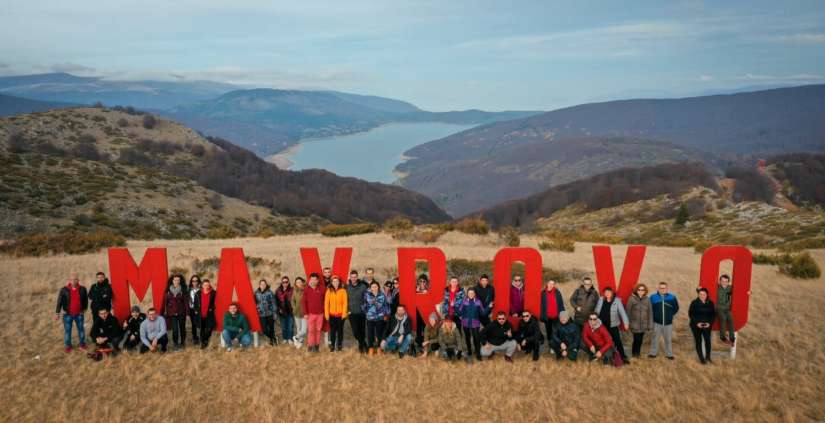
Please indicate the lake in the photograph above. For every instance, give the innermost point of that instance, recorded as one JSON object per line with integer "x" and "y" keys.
{"x": 370, "y": 155}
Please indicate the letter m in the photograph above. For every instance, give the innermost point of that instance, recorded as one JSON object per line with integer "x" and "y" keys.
{"x": 125, "y": 273}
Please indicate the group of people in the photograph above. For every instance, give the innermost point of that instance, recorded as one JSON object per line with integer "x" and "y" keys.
{"x": 462, "y": 326}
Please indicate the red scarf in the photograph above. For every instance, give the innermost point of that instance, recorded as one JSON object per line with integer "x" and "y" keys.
{"x": 552, "y": 308}
{"x": 74, "y": 300}
{"x": 205, "y": 297}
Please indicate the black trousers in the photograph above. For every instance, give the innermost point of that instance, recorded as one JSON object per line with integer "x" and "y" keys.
{"x": 195, "y": 321}
{"x": 268, "y": 327}
{"x": 472, "y": 338}
{"x": 336, "y": 332}
{"x": 375, "y": 333}
{"x": 532, "y": 347}
{"x": 358, "y": 323}
{"x": 549, "y": 324}
{"x": 206, "y": 329}
{"x": 638, "y": 339}
{"x": 131, "y": 344}
{"x": 616, "y": 336}
{"x": 162, "y": 342}
{"x": 113, "y": 343}
{"x": 178, "y": 326}
{"x": 698, "y": 335}
{"x": 419, "y": 329}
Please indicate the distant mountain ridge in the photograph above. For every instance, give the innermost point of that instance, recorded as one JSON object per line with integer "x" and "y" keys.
{"x": 11, "y": 105}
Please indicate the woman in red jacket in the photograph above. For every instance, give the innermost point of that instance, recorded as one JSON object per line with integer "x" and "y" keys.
{"x": 597, "y": 340}
{"x": 313, "y": 304}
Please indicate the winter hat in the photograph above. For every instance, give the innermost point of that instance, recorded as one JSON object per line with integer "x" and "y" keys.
{"x": 564, "y": 315}
{"x": 135, "y": 309}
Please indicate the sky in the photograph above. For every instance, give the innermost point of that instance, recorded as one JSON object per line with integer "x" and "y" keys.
{"x": 439, "y": 55}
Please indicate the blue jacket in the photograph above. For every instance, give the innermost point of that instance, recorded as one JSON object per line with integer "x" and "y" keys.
{"x": 445, "y": 305}
{"x": 664, "y": 308}
{"x": 376, "y": 307}
{"x": 470, "y": 312}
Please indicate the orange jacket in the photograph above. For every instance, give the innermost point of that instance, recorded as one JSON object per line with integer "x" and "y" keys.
{"x": 335, "y": 303}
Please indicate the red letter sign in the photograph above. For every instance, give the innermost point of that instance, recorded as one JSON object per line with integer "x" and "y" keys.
{"x": 502, "y": 265}
{"x": 423, "y": 304}
{"x": 340, "y": 262}
{"x": 603, "y": 260}
{"x": 233, "y": 275}
{"x": 124, "y": 273}
{"x": 740, "y": 279}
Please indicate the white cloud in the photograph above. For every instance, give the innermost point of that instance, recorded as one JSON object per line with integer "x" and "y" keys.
{"x": 802, "y": 38}
{"x": 705, "y": 78}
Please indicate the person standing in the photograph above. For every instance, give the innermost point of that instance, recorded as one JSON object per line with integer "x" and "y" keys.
{"x": 285, "y": 307}
{"x": 422, "y": 286}
{"x": 298, "y": 312}
{"x": 235, "y": 326}
{"x": 471, "y": 309}
{"x": 724, "y": 294}
{"x": 175, "y": 310}
{"x": 376, "y": 310}
{"x": 612, "y": 314}
{"x": 702, "y": 314}
{"x": 131, "y": 328}
{"x": 100, "y": 294}
{"x": 664, "y": 306}
{"x": 313, "y": 304}
{"x": 153, "y": 335}
{"x": 194, "y": 316}
{"x": 356, "y": 288}
{"x": 72, "y": 300}
{"x": 335, "y": 311}
{"x": 552, "y": 304}
{"x": 205, "y": 307}
{"x": 583, "y": 301}
{"x": 516, "y": 302}
{"x": 487, "y": 294}
{"x": 639, "y": 313}
{"x": 266, "y": 304}
{"x": 453, "y": 296}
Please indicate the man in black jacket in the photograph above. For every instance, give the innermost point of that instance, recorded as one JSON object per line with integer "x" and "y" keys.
{"x": 565, "y": 338}
{"x": 498, "y": 336}
{"x": 487, "y": 294}
{"x": 131, "y": 328}
{"x": 106, "y": 331}
{"x": 73, "y": 301}
{"x": 530, "y": 335}
{"x": 398, "y": 334}
{"x": 101, "y": 295}
{"x": 357, "y": 320}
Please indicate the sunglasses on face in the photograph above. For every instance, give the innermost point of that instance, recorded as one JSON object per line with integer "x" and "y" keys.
{"x": 525, "y": 316}
{"x": 501, "y": 319}
{"x": 641, "y": 290}
{"x": 593, "y": 319}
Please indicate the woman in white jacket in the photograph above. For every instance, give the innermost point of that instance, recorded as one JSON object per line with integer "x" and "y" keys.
{"x": 612, "y": 314}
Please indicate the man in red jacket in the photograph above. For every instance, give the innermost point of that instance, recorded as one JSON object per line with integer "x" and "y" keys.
{"x": 597, "y": 339}
{"x": 313, "y": 304}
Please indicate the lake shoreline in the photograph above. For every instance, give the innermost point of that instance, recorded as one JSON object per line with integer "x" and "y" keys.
{"x": 281, "y": 159}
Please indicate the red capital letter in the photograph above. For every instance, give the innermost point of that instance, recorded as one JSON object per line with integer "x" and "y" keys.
{"x": 124, "y": 273}
{"x": 603, "y": 260}
{"x": 502, "y": 265}
{"x": 423, "y": 304}
{"x": 740, "y": 279}
{"x": 233, "y": 275}
{"x": 340, "y": 262}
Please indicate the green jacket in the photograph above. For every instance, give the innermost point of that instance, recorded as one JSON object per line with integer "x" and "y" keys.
{"x": 723, "y": 295}
{"x": 237, "y": 324}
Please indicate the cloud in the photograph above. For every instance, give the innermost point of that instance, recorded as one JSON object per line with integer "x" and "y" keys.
{"x": 800, "y": 77}
{"x": 802, "y": 38}
{"x": 705, "y": 78}
{"x": 73, "y": 68}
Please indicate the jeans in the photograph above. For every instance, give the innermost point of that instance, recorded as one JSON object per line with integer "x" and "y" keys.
{"x": 286, "y": 326}
{"x": 700, "y": 334}
{"x": 375, "y": 332}
{"x": 162, "y": 341}
{"x": 244, "y": 340}
{"x": 67, "y": 329}
{"x": 472, "y": 338}
{"x": 402, "y": 346}
{"x": 178, "y": 326}
{"x": 725, "y": 321}
{"x": 268, "y": 327}
{"x": 508, "y": 347}
{"x": 300, "y": 328}
{"x": 336, "y": 332}
{"x": 638, "y": 340}
{"x": 314, "y": 323}
{"x": 358, "y": 323}
{"x": 666, "y": 332}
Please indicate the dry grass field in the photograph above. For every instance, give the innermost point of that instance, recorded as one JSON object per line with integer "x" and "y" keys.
{"x": 777, "y": 376}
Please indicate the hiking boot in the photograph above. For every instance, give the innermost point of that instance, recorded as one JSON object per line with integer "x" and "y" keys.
{"x": 400, "y": 355}
{"x": 508, "y": 359}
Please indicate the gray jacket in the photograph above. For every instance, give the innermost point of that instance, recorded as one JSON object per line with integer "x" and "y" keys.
{"x": 151, "y": 330}
{"x": 640, "y": 314}
{"x": 617, "y": 313}
{"x": 723, "y": 295}
{"x": 355, "y": 296}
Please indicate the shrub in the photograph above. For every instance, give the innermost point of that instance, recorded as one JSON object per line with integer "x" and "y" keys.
{"x": 472, "y": 225}
{"x": 681, "y": 216}
{"x": 348, "y": 229}
{"x": 772, "y": 259}
{"x": 801, "y": 266}
{"x": 566, "y": 245}
{"x": 510, "y": 236}
{"x": 398, "y": 224}
{"x": 69, "y": 242}
{"x": 468, "y": 271}
{"x": 700, "y": 246}
{"x": 149, "y": 121}
{"x": 222, "y": 232}
{"x": 215, "y": 201}
{"x": 122, "y": 122}
{"x": 17, "y": 143}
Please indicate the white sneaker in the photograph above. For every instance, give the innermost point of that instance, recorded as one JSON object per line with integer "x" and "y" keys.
{"x": 228, "y": 349}
{"x": 298, "y": 344}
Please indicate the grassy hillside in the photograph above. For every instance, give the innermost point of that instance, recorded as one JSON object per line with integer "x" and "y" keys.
{"x": 776, "y": 364}
{"x": 154, "y": 177}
